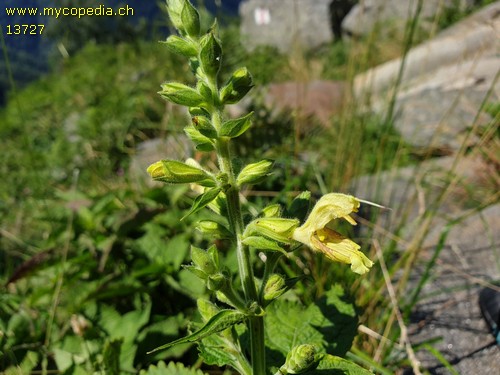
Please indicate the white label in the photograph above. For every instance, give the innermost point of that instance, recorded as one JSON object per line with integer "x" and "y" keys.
{"x": 262, "y": 16}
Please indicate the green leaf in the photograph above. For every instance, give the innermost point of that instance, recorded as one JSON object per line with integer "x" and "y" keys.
{"x": 235, "y": 128}
{"x": 215, "y": 350}
{"x": 202, "y": 200}
{"x": 111, "y": 356}
{"x": 172, "y": 369}
{"x": 332, "y": 365}
{"x": 219, "y": 322}
{"x": 330, "y": 324}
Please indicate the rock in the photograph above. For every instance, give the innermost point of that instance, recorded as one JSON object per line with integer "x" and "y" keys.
{"x": 438, "y": 111}
{"x": 281, "y": 23}
{"x": 413, "y": 191}
{"x": 447, "y": 307}
{"x": 443, "y": 85}
{"x": 446, "y": 313}
{"x": 392, "y": 15}
{"x": 319, "y": 100}
{"x": 474, "y": 37}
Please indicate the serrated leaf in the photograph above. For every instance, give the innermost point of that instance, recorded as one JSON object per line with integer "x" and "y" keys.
{"x": 202, "y": 200}
{"x": 219, "y": 322}
{"x": 235, "y": 128}
{"x": 220, "y": 349}
{"x": 332, "y": 365}
{"x": 330, "y": 324}
{"x": 213, "y": 350}
{"x": 172, "y": 369}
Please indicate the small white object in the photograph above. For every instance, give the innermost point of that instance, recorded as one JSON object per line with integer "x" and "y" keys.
{"x": 262, "y": 16}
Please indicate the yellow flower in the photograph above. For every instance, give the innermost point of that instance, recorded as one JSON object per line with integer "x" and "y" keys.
{"x": 318, "y": 237}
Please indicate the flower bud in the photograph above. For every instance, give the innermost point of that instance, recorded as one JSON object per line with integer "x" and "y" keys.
{"x": 210, "y": 54}
{"x": 214, "y": 229}
{"x": 179, "y": 93}
{"x": 190, "y": 19}
{"x": 255, "y": 172}
{"x": 176, "y": 172}
{"x": 275, "y": 287}
{"x": 237, "y": 87}
{"x": 275, "y": 228}
{"x": 300, "y": 359}
{"x": 204, "y": 261}
{"x": 181, "y": 46}
{"x": 273, "y": 210}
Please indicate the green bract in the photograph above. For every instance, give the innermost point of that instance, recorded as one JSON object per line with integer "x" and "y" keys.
{"x": 275, "y": 287}
{"x": 206, "y": 261}
{"x": 204, "y": 126}
{"x": 201, "y": 142}
{"x": 236, "y": 87}
{"x": 210, "y": 54}
{"x": 190, "y": 19}
{"x": 174, "y": 9}
{"x": 235, "y": 128}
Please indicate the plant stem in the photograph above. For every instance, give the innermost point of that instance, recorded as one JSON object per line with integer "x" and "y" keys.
{"x": 256, "y": 323}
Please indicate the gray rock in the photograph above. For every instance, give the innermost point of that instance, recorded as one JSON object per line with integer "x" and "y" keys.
{"x": 413, "y": 191}
{"x": 472, "y": 38}
{"x": 441, "y": 108}
{"x": 444, "y": 83}
{"x": 391, "y": 15}
{"x": 281, "y": 23}
{"x": 447, "y": 308}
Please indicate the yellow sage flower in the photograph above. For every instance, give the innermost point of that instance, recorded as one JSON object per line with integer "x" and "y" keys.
{"x": 336, "y": 247}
